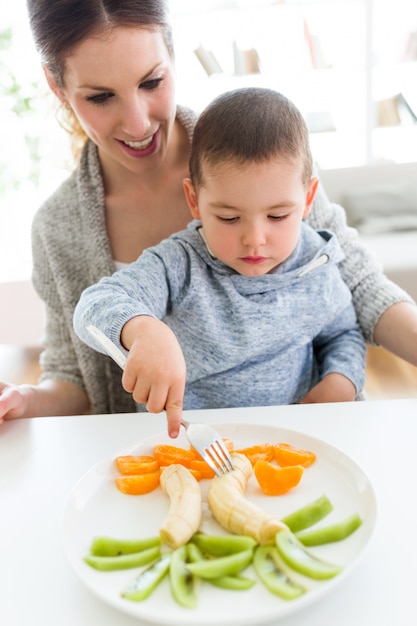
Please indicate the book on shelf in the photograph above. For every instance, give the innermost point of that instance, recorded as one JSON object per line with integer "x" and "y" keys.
{"x": 396, "y": 110}
{"x": 406, "y": 108}
{"x": 315, "y": 49}
{"x": 245, "y": 61}
{"x": 208, "y": 61}
{"x": 410, "y": 49}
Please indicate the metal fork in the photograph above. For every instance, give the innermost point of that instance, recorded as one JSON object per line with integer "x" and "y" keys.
{"x": 210, "y": 446}
{"x": 202, "y": 437}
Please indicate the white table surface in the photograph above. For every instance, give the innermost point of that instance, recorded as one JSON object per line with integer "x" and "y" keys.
{"x": 41, "y": 459}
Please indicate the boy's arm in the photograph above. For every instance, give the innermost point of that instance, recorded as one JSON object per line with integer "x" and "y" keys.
{"x": 332, "y": 388}
{"x": 127, "y": 307}
{"x": 139, "y": 289}
{"x": 340, "y": 353}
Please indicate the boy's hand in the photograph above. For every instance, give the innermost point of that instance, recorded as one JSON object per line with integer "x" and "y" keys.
{"x": 155, "y": 368}
{"x": 332, "y": 388}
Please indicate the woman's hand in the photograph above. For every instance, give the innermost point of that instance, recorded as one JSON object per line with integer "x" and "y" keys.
{"x": 155, "y": 369}
{"x": 332, "y": 388}
{"x": 13, "y": 401}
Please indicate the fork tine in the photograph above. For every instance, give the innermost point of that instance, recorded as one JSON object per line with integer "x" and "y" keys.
{"x": 219, "y": 455}
{"x": 213, "y": 464}
{"x": 227, "y": 459}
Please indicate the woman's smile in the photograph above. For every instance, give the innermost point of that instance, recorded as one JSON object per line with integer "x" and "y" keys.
{"x": 144, "y": 148}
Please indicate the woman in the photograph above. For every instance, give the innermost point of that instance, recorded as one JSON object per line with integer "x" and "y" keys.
{"x": 110, "y": 63}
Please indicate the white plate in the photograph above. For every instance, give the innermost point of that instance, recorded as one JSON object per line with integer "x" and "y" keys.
{"x": 95, "y": 507}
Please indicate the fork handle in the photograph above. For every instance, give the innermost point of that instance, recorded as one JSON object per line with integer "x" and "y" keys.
{"x": 111, "y": 349}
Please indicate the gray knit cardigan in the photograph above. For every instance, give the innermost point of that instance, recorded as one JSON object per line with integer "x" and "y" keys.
{"x": 71, "y": 251}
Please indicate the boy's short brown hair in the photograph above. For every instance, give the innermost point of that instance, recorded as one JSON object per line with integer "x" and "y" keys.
{"x": 249, "y": 125}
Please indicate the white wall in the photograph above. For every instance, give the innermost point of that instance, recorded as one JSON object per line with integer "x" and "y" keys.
{"x": 21, "y": 314}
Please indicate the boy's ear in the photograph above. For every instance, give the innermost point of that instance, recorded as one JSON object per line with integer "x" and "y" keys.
{"x": 53, "y": 86}
{"x": 191, "y": 197}
{"x": 311, "y": 193}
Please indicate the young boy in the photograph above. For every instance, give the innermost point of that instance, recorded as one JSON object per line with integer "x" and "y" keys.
{"x": 246, "y": 306}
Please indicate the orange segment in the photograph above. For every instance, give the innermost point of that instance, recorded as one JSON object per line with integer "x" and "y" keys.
{"x": 202, "y": 467}
{"x": 194, "y": 453}
{"x": 138, "y": 484}
{"x": 167, "y": 455}
{"x": 136, "y": 464}
{"x": 275, "y": 481}
{"x": 260, "y": 452}
{"x": 196, "y": 473}
{"x": 229, "y": 444}
{"x": 286, "y": 455}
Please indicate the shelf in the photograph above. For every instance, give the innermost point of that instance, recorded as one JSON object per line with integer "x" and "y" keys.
{"x": 334, "y": 59}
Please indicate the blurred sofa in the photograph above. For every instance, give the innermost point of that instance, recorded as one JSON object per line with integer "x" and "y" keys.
{"x": 381, "y": 203}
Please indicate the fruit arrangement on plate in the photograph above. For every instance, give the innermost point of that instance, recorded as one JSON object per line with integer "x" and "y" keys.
{"x": 275, "y": 550}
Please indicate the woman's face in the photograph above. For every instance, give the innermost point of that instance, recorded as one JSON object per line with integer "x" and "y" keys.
{"x": 120, "y": 85}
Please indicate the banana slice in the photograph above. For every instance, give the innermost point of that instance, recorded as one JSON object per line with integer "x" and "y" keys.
{"x": 185, "y": 510}
{"x": 227, "y": 501}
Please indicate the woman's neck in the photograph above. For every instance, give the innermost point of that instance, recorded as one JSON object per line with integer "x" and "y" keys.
{"x": 143, "y": 210}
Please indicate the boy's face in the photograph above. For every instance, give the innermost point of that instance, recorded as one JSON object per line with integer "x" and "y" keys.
{"x": 251, "y": 214}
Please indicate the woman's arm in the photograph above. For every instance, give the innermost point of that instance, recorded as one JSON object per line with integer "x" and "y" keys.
{"x": 51, "y": 397}
{"x": 396, "y": 330}
{"x": 373, "y": 294}
{"x": 60, "y": 389}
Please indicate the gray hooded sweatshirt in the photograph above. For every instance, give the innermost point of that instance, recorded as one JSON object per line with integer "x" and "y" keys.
{"x": 247, "y": 341}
